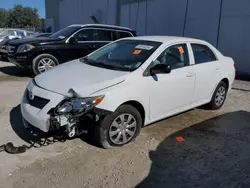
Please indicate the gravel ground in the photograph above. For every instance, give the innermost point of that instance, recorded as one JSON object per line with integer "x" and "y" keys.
{"x": 214, "y": 153}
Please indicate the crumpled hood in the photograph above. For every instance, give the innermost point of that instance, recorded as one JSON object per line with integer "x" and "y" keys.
{"x": 84, "y": 79}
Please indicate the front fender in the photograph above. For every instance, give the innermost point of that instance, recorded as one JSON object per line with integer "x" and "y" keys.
{"x": 122, "y": 93}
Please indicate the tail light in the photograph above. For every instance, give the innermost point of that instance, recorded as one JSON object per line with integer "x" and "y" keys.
{"x": 234, "y": 65}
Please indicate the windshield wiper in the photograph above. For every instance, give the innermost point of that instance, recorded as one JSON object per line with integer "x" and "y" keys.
{"x": 103, "y": 65}
{"x": 100, "y": 64}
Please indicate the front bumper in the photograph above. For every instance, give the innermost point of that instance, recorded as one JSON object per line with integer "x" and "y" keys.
{"x": 21, "y": 60}
{"x": 36, "y": 104}
{"x": 3, "y": 52}
{"x": 39, "y": 117}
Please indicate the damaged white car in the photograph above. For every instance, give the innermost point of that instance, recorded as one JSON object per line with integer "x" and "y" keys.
{"x": 126, "y": 85}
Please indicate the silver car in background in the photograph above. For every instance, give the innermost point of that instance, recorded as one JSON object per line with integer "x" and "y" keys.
{"x": 13, "y": 34}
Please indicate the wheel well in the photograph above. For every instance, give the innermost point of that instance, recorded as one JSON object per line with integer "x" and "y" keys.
{"x": 48, "y": 52}
{"x": 226, "y": 81}
{"x": 139, "y": 107}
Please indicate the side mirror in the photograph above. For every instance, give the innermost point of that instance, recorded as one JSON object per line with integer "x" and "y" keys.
{"x": 160, "y": 69}
{"x": 73, "y": 40}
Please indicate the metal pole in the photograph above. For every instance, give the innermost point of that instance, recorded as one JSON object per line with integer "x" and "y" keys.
{"x": 146, "y": 18}
{"x": 185, "y": 19}
{"x": 107, "y": 11}
{"x": 118, "y": 11}
{"x": 138, "y": 6}
{"x": 219, "y": 24}
{"x": 129, "y": 15}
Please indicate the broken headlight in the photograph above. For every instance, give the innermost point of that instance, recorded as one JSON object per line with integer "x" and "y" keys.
{"x": 78, "y": 105}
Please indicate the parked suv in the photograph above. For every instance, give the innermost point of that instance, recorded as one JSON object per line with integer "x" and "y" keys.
{"x": 5, "y": 42}
{"x": 72, "y": 42}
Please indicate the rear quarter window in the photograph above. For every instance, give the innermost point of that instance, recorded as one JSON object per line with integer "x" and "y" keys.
{"x": 203, "y": 54}
{"x": 124, "y": 34}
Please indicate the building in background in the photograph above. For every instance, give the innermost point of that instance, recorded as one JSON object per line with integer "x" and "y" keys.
{"x": 224, "y": 23}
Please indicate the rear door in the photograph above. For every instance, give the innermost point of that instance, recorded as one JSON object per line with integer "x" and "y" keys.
{"x": 207, "y": 72}
{"x": 85, "y": 39}
{"x": 102, "y": 37}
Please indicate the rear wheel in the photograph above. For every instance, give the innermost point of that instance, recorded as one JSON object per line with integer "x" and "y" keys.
{"x": 219, "y": 96}
{"x": 119, "y": 128}
{"x": 44, "y": 62}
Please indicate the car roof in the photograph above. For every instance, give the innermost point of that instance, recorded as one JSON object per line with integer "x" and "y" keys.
{"x": 165, "y": 39}
{"x": 13, "y": 29}
{"x": 101, "y": 25}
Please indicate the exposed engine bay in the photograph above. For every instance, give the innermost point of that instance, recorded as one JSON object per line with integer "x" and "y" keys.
{"x": 74, "y": 114}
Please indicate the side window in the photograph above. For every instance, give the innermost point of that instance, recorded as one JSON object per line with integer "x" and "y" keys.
{"x": 202, "y": 54}
{"x": 176, "y": 56}
{"x": 103, "y": 35}
{"x": 84, "y": 35}
{"x": 124, "y": 34}
{"x": 9, "y": 32}
{"x": 19, "y": 33}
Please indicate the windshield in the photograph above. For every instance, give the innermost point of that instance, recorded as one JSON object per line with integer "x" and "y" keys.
{"x": 6, "y": 33}
{"x": 63, "y": 33}
{"x": 124, "y": 55}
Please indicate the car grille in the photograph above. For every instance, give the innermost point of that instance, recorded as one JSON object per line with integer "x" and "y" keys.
{"x": 37, "y": 102}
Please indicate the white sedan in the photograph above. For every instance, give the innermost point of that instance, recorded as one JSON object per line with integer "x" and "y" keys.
{"x": 126, "y": 85}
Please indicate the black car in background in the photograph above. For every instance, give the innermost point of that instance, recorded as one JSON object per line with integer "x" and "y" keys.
{"x": 72, "y": 42}
{"x": 5, "y": 42}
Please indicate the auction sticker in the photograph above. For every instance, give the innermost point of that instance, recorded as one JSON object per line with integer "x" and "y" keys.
{"x": 181, "y": 50}
{"x": 136, "y": 52}
{"x": 144, "y": 47}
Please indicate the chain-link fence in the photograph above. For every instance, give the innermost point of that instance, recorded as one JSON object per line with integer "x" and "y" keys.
{"x": 31, "y": 29}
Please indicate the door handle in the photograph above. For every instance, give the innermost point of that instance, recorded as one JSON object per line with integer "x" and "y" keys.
{"x": 218, "y": 68}
{"x": 190, "y": 74}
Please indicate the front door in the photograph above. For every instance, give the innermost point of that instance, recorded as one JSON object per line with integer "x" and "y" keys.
{"x": 85, "y": 42}
{"x": 173, "y": 92}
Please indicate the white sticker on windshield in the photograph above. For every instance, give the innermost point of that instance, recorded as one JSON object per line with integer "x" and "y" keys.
{"x": 144, "y": 47}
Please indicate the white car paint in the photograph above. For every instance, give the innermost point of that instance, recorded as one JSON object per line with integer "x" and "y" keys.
{"x": 76, "y": 74}
{"x": 161, "y": 96}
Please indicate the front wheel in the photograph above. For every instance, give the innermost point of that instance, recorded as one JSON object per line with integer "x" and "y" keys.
{"x": 44, "y": 62}
{"x": 119, "y": 128}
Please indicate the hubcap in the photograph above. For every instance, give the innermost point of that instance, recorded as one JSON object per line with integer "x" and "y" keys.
{"x": 123, "y": 129}
{"x": 45, "y": 64}
{"x": 220, "y": 96}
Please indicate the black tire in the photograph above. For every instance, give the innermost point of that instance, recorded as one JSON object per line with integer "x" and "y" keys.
{"x": 102, "y": 130}
{"x": 35, "y": 62}
{"x": 213, "y": 105}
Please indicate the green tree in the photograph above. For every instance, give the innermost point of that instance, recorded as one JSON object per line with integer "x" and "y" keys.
{"x": 21, "y": 17}
{"x": 3, "y": 18}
